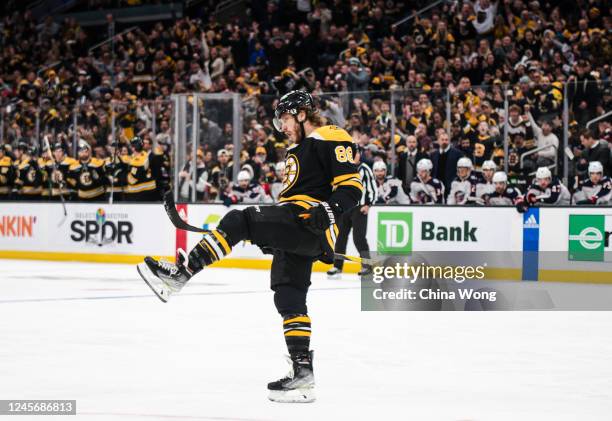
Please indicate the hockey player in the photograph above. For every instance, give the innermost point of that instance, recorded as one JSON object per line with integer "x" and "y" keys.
{"x": 546, "y": 190}
{"x": 321, "y": 183}
{"x": 463, "y": 187}
{"x": 276, "y": 186}
{"x": 56, "y": 168}
{"x": 484, "y": 186}
{"x": 389, "y": 189}
{"x": 87, "y": 175}
{"x": 595, "y": 190}
{"x": 7, "y": 174}
{"x": 245, "y": 191}
{"x": 424, "y": 189}
{"x": 116, "y": 167}
{"x": 28, "y": 177}
{"x": 504, "y": 195}
{"x": 142, "y": 174}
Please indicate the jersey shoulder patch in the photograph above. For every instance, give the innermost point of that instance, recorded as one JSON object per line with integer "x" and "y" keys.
{"x": 331, "y": 133}
{"x": 74, "y": 166}
{"x": 96, "y": 162}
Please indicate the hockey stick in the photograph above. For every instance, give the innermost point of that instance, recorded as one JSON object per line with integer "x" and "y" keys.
{"x": 178, "y": 222}
{"x": 54, "y": 166}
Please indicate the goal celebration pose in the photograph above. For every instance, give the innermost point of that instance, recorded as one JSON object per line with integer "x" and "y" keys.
{"x": 321, "y": 183}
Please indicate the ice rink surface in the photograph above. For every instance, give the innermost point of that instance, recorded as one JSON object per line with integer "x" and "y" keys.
{"x": 95, "y": 333}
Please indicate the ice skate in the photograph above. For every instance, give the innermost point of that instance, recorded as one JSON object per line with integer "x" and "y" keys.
{"x": 165, "y": 278}
{"x": 365, "y": 271}
{"x": 298, "y": 385}
{"x": 334, "y": 273}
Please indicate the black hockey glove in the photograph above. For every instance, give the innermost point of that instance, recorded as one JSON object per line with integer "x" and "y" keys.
{"x": 521, "y": 207}
{"x": 318, "y": 218}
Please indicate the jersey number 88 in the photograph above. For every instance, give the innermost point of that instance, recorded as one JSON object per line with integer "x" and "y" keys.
{"x": 344, "y": 154}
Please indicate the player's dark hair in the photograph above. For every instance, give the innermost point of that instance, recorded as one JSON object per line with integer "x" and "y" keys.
{"x": 587, "y": 134}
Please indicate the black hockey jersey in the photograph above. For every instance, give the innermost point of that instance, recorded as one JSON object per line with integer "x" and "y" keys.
{"x": 141, "y": 175}
{"x": 55, "y": 176}
{"x": 321, "y": 166}
{"x": 7, "y": 176}
{"x": 88, "y": 179}
{"x": 28, "y": 177}
{"x": 321, "y": 169}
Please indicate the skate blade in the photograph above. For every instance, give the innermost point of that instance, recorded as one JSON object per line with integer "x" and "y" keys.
{"x": 334, "y": 277}
{"x": 305, "y": 395}
{"x": 153, "y": 282}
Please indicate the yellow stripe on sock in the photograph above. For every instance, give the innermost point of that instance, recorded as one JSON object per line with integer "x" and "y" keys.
{"x": 223, "y": 242}
{"x": 297, "y": 333}
{"x": 212, "y": 252}
{"x": 304, "y": 319}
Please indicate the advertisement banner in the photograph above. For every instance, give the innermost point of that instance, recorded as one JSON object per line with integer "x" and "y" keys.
{"x": 402, "y": 229}
{"x": 131, "y": 229}
{"x": 544, "y": 244}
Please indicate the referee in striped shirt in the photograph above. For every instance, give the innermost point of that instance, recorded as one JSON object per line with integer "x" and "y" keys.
{"x": 358, "y": 220}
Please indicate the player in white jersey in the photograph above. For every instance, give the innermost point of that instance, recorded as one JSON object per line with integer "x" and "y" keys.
{"x": 504, "y": 195}
{"x": 424, "y": 189}
{"x": 389, "y": 188}
{"x": 277, "y": 185}
{"x": 463, "y": 187}
{"x": 595, "y": 190}
{"x": 485, "y": 185}
{"x": 547, "y": 190}
{"x": 246, "y": 192}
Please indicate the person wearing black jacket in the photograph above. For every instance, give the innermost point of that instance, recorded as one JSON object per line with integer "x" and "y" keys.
{"x": 583, "y": 94}
{"x": 594, "y": 150}
{"x": 406, "y": 170}
{"x": 444, "y": 161}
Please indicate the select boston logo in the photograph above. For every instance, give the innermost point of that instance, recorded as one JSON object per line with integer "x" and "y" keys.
{"x": 101, "y": 228}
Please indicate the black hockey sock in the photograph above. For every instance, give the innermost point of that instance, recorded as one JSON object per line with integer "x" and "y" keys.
{"x": 297, "y": 334}
{"x": 212, "y": 247}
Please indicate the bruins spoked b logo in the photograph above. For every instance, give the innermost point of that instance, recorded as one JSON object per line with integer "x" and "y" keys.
{"x": 292, "y": 171}
{"x": 85, "y": 178}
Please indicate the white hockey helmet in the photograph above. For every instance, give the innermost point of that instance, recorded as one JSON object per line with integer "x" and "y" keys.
{"x": 279, "y": 167}
{"x": 424, "y": 164}
{"x": 542, "y": 173}
{"x": 464, "y": 163}
{"x": 500, "y": 177}
{"x": 379, "y": 165}
{"x": 244, "y": 176}
{"x": 595, "y": 167}
{"x": 489, "y": 165}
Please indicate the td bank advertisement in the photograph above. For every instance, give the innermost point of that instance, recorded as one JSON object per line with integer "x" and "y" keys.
{"x": 404, "y": 230}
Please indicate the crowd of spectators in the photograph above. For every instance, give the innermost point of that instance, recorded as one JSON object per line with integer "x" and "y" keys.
{"x": 447, "y": 75}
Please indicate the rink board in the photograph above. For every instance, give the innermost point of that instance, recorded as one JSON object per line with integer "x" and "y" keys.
{"x": 547, "y": 244}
